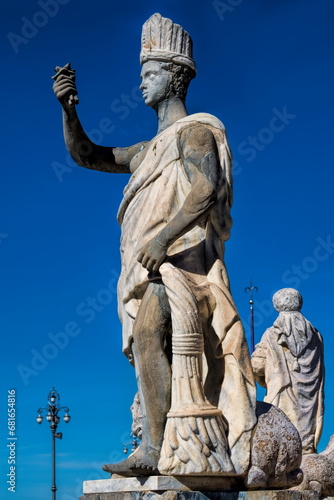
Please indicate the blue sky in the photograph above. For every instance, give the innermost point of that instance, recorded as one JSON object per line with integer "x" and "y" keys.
{"x": 265, "y": 68}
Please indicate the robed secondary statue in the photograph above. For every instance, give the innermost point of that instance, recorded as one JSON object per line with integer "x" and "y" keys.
{"x": 181, "y": 329}
{"x": 289, "y": 363}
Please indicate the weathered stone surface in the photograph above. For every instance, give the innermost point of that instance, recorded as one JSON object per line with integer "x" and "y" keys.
{"x": 318, "y": 471}
{"x": 197, "y": 495}
{"x": 149, "y": 495}
{"x": 289, "y": 363}
{"x": 137, "y": 417}
{"x": 160, "y": 483}
{"x": 276, "y": 451}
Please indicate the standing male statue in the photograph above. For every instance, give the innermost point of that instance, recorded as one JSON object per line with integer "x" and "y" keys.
{"x": 181, "y": 328}
{"x": 289, "y": 363}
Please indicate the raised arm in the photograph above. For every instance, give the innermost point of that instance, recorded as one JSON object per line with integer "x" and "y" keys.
{"x": 84, "y": 151}
{"x": 200, "y": 158}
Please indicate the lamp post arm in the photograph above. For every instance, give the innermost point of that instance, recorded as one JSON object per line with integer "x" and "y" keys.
{"x": 40, "y": 410}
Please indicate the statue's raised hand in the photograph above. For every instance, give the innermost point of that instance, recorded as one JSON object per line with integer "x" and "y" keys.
{"x": 64, "y": 85}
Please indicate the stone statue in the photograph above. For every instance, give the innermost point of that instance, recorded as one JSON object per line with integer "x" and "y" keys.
{"x": 181, "y": 329}
{"x": 318, "y": 471}
{"x": 276, "y": 451}
{"x": 289, "y": 363}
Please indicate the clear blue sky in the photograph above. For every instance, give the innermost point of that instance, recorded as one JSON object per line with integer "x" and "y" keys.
{"x": 265, "y": 68}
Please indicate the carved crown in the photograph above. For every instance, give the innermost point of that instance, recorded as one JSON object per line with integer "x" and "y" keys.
{"x": 163, "y": 40}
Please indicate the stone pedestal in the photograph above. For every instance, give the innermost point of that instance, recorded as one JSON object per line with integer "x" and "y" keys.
{"x": 197, "y": 495}
{"x": 181, "y": 488}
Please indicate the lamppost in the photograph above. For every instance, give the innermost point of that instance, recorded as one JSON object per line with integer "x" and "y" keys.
{"x": 251, "y": 288}
{"x": 53, "y": 409}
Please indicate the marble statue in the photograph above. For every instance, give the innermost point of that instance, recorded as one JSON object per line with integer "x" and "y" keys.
{"x": 289, "y": 363}
{"x": 181, "y": 329}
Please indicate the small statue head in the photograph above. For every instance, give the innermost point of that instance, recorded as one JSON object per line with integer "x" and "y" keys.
{"x": 166, "y": 57}
{"x": 287, "y": 299}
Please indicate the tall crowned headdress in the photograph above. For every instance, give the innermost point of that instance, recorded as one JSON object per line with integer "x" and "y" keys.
{"x": 163, "y": 40}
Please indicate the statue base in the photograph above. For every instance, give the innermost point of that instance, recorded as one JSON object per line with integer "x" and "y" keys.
{"x": 181, "y": 488}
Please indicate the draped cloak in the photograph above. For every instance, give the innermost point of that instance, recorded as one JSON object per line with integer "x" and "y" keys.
{"x": 154, "y": 195}
{"x": 289, "y": 363}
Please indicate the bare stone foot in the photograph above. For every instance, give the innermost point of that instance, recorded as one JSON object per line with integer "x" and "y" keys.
{"x": 140, "y": 463}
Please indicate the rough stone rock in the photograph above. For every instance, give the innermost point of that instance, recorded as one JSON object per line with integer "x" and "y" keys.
{"x": 276, "y": 451}
{"x": 198, "y": 495}
{"x": 318, "y": 471}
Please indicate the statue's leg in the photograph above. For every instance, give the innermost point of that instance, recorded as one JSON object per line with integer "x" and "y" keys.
{"x": 152, "y": 367}
{"x": 195, "y": 440}
{"x": 153, "y": 373}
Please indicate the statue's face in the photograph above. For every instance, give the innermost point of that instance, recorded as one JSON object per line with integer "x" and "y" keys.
{"x": 155, "y": 83}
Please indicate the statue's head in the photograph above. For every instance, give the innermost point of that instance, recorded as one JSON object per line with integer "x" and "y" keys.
{"x": 287, "y": 299}
{"x": 166, "y": 59}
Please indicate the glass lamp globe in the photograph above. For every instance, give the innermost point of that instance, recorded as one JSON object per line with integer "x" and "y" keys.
{"x": 39, "y": 419}
{"x": 67, "y": 418}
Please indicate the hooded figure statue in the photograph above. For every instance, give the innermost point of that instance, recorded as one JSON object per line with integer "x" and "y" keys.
{"x": 289, "y": 363}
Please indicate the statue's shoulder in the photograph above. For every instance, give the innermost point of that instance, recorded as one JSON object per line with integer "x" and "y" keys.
{"x": 269, "y": 334}
{"x": 202, "y": 119}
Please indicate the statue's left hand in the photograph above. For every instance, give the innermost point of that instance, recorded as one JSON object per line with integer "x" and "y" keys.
{"x": 152, "y": 255}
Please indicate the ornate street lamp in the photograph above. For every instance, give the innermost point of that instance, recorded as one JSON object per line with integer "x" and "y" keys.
{"x": 52, "y": 410}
